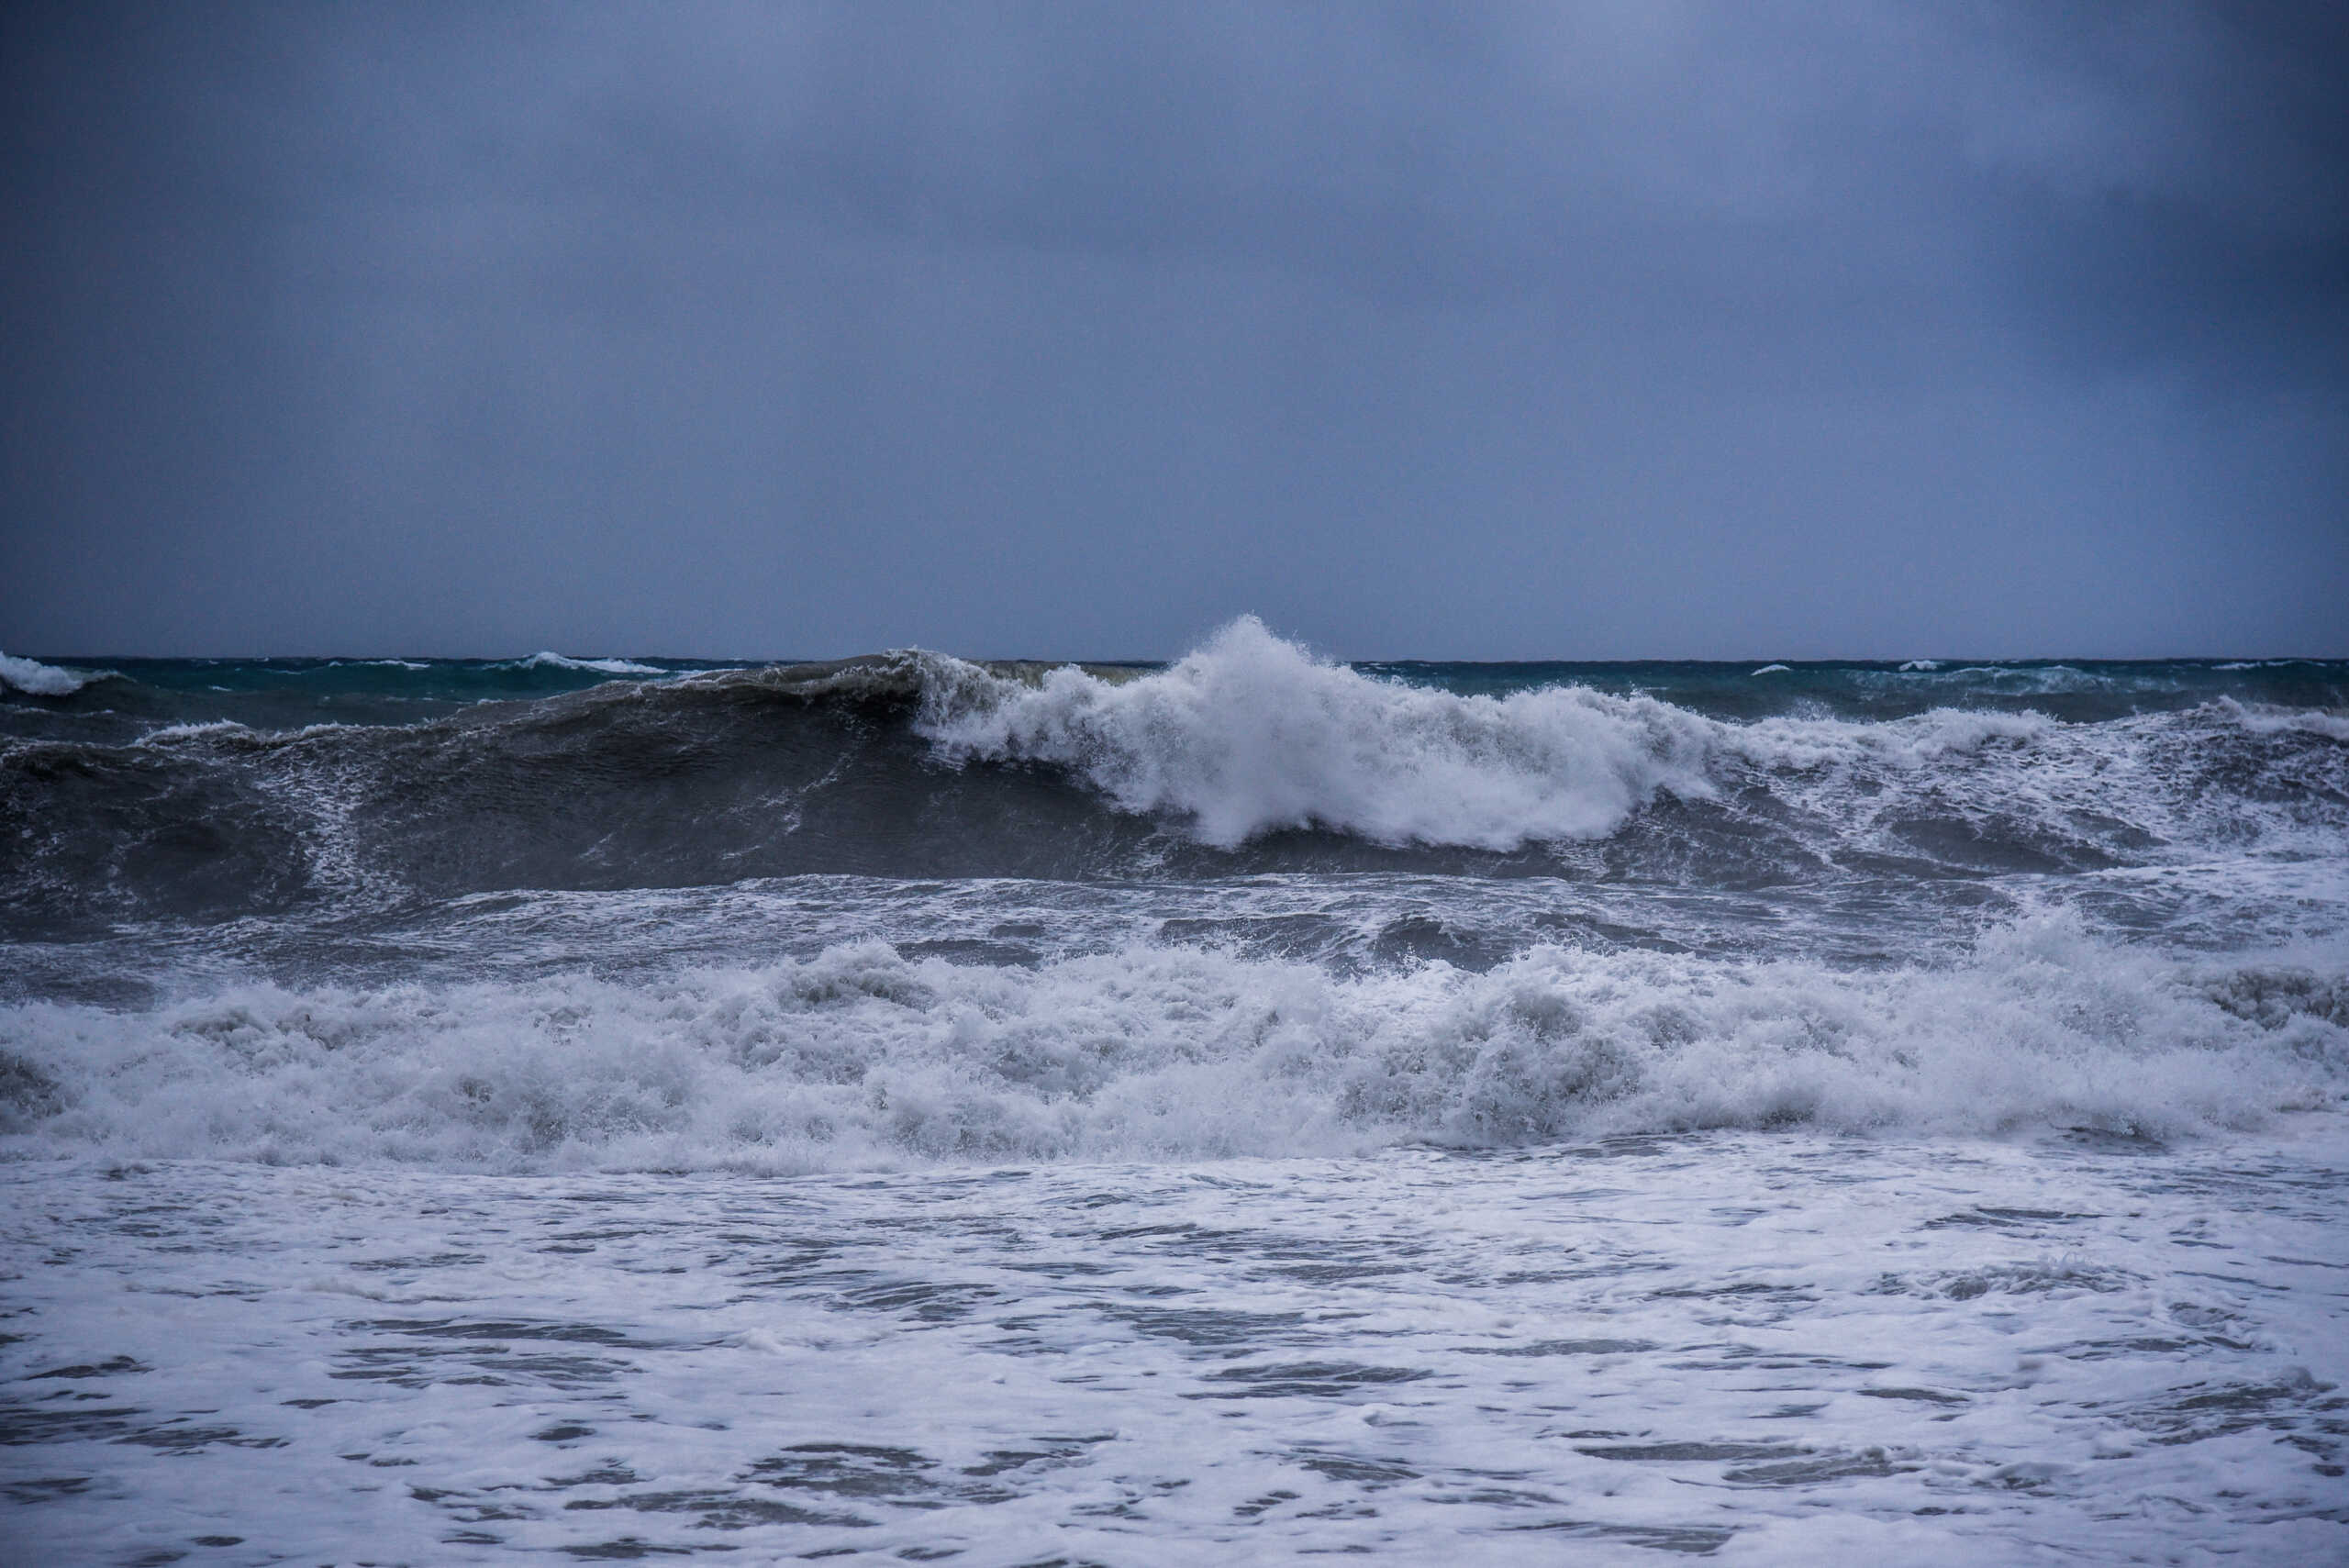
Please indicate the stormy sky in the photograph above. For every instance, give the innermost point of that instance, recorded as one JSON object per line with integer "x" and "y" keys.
{"x": 1636, "y": 328}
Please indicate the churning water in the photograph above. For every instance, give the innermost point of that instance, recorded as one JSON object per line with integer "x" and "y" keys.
{"x": 1231, "y": 1111}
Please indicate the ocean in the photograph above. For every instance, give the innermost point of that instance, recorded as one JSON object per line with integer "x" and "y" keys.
{"x": 1238, "y": 1110}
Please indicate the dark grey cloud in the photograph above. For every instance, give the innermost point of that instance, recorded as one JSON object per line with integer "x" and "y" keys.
{"x": 1609, "y": 328}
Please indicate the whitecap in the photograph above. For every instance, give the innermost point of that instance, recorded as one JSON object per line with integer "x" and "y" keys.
{"x": 36, "y": 679}
{"x": 2263, "y": 720}
{"x": 171, "y": 732}
{"x": 1250, "y": 734}
{"x": 545, "y": 659}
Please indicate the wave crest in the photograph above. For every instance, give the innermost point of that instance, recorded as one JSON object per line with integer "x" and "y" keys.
{"x": 36, "y": 679}
{"x": 552, "y": 661}
{"x": 1249, "y": 734}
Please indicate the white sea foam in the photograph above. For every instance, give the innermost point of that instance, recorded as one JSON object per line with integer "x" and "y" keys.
{"x": 1782, "y": 1349}
{"x": 171, "y": 732}
{"x": 1773, "y": 670}
{"x": 1249, "y": 734}
{"x": 36, "y": 679}
{"x": 550, "y": 661}
{"x": 862, "y": 1057}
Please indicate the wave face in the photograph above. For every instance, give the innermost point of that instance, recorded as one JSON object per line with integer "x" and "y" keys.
{"x": 561, "y": 910}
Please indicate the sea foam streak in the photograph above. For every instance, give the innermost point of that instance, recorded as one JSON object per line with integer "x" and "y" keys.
{"x": 861, "y": 1056}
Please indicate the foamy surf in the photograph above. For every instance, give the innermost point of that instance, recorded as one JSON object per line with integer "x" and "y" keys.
{"x": 861, "y": 1056}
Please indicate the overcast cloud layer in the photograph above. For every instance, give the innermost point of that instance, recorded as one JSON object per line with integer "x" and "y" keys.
{"x": 1619, "y": 330}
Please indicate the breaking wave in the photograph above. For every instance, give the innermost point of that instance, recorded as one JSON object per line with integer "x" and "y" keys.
{"x": 549, "y": 661}
{"x": 1250, "y": 735}
{"x": 1248, "y": 755}
{"x": 863, "y": 1056}
{"x": 36, "y": 679}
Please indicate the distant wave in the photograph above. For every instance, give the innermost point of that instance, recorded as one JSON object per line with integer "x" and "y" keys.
{"x": 36, "y": 679}
{"x": 863, "y": 1056}
{"x": 546, "y": 660}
